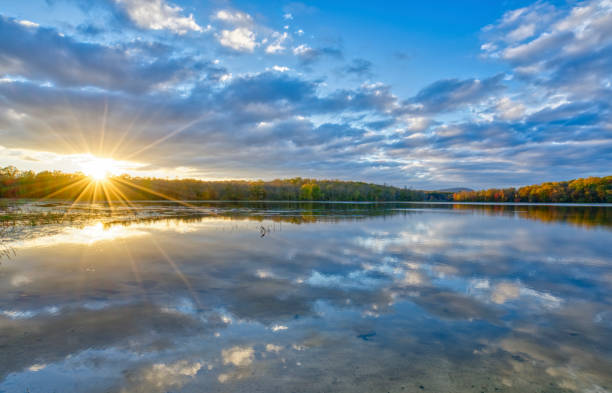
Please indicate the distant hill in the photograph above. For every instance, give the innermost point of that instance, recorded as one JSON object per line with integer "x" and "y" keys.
{"x": 456, "y": 189}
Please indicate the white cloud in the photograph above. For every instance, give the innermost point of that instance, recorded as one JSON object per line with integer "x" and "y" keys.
{"x": 273, "y": 348}
{"x": 238, "y": 356}
{"x": 19, "y": 280}
{"x": 13, "y": 114}
{"x": 226, "y": 77}
{"x": 278, "y": 68}
{"x": 165, "y": 376}
{"x": 566, "y": 48}
{"x": 583, "y": 29}
{"x": 505, "y": 291}
{"x": 417, "y": 123}
{"x": 277, "y": 45}
{"x": 240, "y": 39}
{"x": 288, "y": 16}
{"x": 522, "y": 32}
{"x": 302, "y": 50}
{"x": 159, "y": 15}
{"x": 234, "y": 17}
{"x": 37, "y": 367}
{"x": 513, "y": 15}
{"x": 28, "y": 23}
{"x": 510, "y": 110}
{"x": 261, "y": 273}
{"x": 531, "y": 49}
{"x": 413, "y": 278}
{"x": 488, "y": 47}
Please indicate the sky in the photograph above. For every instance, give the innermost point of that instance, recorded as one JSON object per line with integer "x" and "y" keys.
{"x": 426, "y": 95}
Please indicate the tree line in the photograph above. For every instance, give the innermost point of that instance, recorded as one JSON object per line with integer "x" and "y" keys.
{"x": 582, "y": 190}
{"x": 27, "y": 184}
{"x": 59, "y": 185}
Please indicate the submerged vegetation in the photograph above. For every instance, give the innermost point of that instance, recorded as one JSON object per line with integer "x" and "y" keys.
{"x": 59, "y": 185}
{"x": 587, "y": 190}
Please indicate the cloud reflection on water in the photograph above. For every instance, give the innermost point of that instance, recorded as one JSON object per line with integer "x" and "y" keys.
{"x": 387, "y": 302}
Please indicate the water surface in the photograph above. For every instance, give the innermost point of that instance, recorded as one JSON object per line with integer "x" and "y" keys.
{"x": 282, "y": 297}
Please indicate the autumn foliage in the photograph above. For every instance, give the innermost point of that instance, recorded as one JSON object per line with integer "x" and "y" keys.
{"x": 587, "y": 190}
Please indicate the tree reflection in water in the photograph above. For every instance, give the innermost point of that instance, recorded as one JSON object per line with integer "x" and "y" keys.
{"x": 342, "y": 297}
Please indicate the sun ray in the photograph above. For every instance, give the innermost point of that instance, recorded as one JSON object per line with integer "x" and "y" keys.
{"x": 78, "y": 198}
{"x": 120, "y": 195}
{"x": 65, "y": 188}
{"x": 178, "y": 272}
{"x": 72, "y": 148}
{"x": 103, "y": 128}
{"x": 159, "y": 194}
{"x": 75, "y": 125}
{"x": 124, "y": 135}
{"x": 93, "y": 197}
{"x": 167, "y": 136}
{"x": 108, "y": 199}
{"x": 134, "y": 266}
{"x": 109, "y": 189}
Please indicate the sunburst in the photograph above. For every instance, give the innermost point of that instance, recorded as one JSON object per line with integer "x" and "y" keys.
{"x": 99, "y": 169}
{"x": 104, "y": 180}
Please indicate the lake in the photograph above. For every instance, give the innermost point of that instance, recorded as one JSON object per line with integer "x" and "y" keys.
{"x": 290, "y": 297}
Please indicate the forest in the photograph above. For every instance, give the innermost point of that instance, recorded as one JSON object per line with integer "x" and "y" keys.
{"x": 58, "y": 185}
{"x": 583, "y": 190}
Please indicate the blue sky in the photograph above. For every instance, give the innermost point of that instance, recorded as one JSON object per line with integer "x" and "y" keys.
{"x": 427, "y": 94}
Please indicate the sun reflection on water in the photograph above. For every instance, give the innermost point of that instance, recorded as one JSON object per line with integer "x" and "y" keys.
{"x": 87, "y": 235}
{"x": 101, "y": 231}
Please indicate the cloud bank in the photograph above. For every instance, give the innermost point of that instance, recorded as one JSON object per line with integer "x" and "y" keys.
{"x": 241, "y": 99}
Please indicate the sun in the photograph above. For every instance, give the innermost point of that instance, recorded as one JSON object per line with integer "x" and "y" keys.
{"x": 98, "y": 174}
{"x": 99, "y": 169}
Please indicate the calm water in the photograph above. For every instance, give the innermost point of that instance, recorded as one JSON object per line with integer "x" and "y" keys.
{"x": 301, "y": 298}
